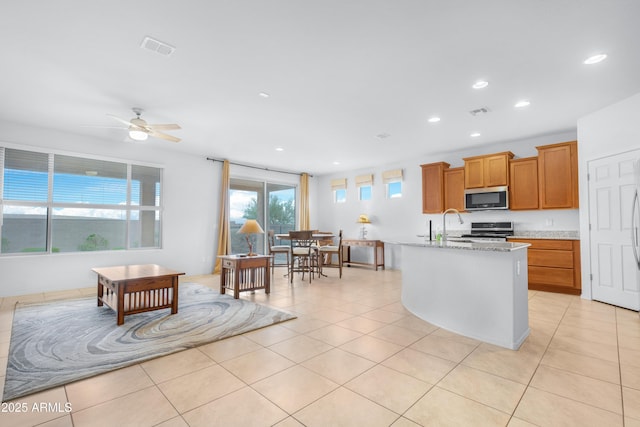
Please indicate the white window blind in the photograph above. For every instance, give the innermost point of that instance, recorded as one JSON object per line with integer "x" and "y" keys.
{"x": 25, "y": 176}
{"x": 89, "y": 181}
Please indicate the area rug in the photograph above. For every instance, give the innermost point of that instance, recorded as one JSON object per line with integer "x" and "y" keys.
{"x": 55, "y": 343}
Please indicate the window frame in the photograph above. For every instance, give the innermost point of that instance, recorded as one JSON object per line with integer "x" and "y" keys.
{"x": 395, "y": 195}
{"x": 362, "y": 189}
{"x": 390, "y": 177}
{"x": 364, "y": 185}
{"x": 50, "y": 206}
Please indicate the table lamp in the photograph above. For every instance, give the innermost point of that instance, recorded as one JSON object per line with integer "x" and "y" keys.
{"x": 364, "y": 219}
{"x": 250, "y": 227}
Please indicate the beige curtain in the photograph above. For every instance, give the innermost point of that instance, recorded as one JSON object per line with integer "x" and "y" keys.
{"x": 224, "y": 230}
{"x": 304, "y": 223}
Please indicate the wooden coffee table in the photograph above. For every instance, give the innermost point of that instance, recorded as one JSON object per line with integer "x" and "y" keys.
{"x": 130, "y": 289}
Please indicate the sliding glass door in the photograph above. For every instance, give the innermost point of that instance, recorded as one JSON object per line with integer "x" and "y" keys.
{"x": 272, "y": 205}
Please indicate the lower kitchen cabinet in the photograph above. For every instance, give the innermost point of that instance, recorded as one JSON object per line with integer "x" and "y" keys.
{"x": 554, "y": 265}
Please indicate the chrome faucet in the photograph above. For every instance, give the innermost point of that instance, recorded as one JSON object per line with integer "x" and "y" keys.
{"x": 444, "y": 221}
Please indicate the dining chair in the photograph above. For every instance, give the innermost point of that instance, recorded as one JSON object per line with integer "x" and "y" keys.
{"x": 328, "y": 251}
{"x": 304, "y": 257}
{"x": 276, "y": 250}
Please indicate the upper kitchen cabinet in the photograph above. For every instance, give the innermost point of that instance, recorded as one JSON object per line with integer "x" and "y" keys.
{"x": 490, "y": 170}
{"x": 432, "y": 187}
{"x": 454, "y": 189}
{"x": 523, "y": 184}
{"x": 558, "y": 175}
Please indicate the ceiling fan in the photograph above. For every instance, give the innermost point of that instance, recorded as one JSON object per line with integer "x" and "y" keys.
{"x": 140, "y": 130}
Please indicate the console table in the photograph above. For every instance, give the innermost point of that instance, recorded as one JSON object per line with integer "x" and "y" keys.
{"x": 130, "y": 289}
{"x": 376, "y": 245}
{"x": 245, "y": 273}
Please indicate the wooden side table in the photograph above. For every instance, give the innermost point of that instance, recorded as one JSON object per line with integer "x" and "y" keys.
{"x": 245, "y": 273}
{"x": 376, "y": 245}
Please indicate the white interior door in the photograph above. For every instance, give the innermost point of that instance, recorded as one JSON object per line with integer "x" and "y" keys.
{"x": 615, "y": 275}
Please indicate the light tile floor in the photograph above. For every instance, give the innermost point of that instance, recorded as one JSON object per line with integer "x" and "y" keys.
{"x": 355, "y": 357}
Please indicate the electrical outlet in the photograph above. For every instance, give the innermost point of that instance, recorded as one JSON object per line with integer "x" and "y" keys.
{"x": 549, "y": 222}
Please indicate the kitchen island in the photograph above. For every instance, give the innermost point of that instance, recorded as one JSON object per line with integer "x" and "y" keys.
{"x": 474, "y": 289}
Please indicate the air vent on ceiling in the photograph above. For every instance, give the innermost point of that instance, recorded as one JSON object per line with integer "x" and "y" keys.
{"x": 157, "y": 46}
{"x": 479, "y": 111}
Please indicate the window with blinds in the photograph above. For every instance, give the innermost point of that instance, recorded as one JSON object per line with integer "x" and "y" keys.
{"x": 24, "y": 200}
{"x": 339, "y": 187}
{"x": 393, "y": 182}
{"x": 364, "y": 184}
{"x": 62, "y": 203}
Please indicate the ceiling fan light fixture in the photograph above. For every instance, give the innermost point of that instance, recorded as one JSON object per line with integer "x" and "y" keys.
{"x": 138, "y": 135}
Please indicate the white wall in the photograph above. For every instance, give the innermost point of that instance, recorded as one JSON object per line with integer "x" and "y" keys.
{"x": 402, "y": 219}
{"x": 609, "y": 131}
{"x": 191, "y": 197}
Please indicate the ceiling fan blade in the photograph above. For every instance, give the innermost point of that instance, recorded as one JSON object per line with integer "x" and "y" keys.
{"x": 165, "y": 126}
{"x": 126, "y": 122}
{"x": 102, "y": 127}
{"x": 161, "y": 135}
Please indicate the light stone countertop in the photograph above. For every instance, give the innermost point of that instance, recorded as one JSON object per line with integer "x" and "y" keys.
{"x": 469, "y": 246}
{"x": 552, "y": 235}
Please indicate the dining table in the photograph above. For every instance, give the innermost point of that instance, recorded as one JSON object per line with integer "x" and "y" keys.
{"x": 316, "y": 236}
{"x": 320, "y": 238}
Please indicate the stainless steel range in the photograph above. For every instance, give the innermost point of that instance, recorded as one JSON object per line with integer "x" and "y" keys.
{"x": 490, "y": 231}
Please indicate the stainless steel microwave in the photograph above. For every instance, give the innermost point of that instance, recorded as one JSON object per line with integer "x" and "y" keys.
{"x": 479, "y": 199}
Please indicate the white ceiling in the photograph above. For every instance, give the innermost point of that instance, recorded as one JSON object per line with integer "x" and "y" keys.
{"x": 338, "y": 72}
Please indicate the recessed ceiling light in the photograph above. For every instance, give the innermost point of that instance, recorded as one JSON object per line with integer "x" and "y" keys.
{"x": 523, "y": 103}
{"x": 336, "y": 163}
{"x": 475, "y": 134}
{"x": 480, "y": 84}
{"x": 434, "y": 120}
{"x": 595, "y": 59}
{"x": 279, "y": 149}
{"x": 264, "y": 94}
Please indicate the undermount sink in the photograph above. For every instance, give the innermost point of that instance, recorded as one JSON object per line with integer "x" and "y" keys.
{"x": 466, "y": 240}
{"x": 459, "y": 239}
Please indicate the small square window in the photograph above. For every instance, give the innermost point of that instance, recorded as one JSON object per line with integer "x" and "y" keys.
{"x": 340, "y": 196}
{"x": 364, "y": 192}
{"x": 394, "y": 190}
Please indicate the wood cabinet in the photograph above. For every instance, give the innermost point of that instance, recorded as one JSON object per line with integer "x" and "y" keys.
{"x": 490, "y": 170}
{"x": 558, "y": 175}
{"x": 523, "y": 183}
{"x": 454, "y": 189}
{"x": 548, "y": 181}
{"x": 433, "y": 187}
{"x": 553, "y": 265}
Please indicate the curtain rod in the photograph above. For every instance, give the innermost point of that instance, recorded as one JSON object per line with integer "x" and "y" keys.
{"x": 257, "y": 167}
